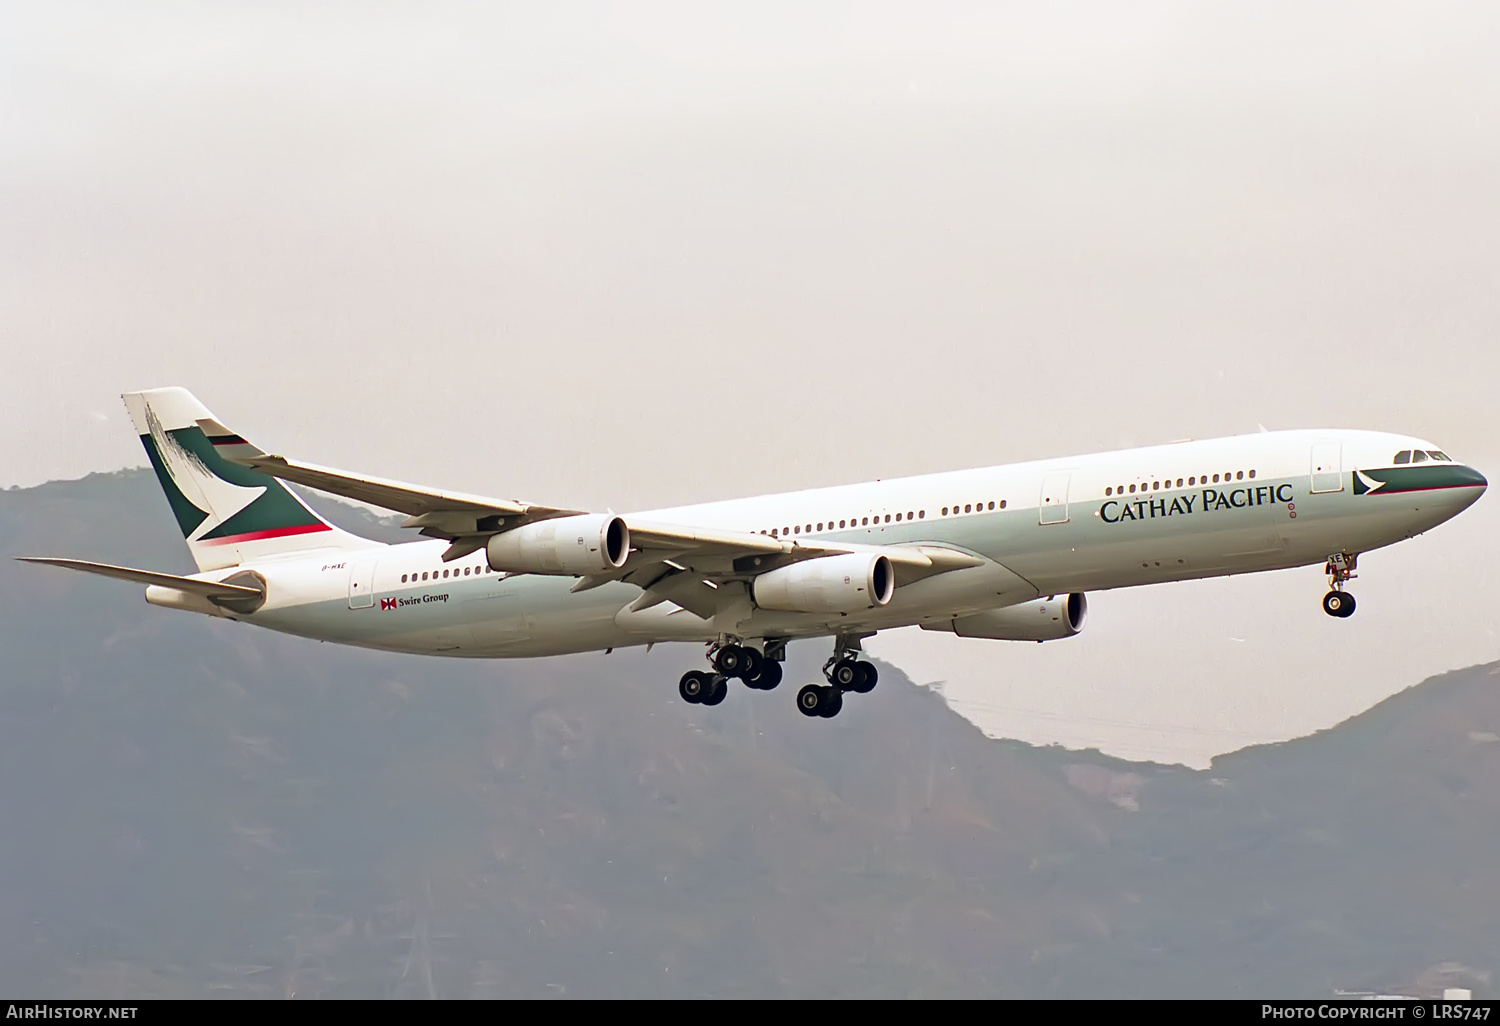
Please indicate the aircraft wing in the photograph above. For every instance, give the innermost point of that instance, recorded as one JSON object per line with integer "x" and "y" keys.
{"x": 661, "y": 553}
{"x": 437, "y": 514}
{"x": 688, "y": 565}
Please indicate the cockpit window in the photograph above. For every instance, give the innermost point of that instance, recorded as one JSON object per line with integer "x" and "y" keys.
{"x": 1439, "y": 455}
{"x": 1404, "y": 456}
{"x": 1419, "y": 456}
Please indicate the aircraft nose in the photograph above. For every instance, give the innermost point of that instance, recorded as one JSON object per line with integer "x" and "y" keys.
{"x": 1470, "y": 485}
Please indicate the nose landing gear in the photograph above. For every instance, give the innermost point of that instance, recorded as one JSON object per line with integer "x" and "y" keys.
{"x": 1340, "y": 570}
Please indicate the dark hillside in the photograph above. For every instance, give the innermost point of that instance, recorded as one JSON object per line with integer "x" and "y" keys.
{"x": 194, "y": 807}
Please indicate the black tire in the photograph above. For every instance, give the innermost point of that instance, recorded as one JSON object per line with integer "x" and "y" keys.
{"x": 753, "y": 661}
{"x": 867, "y": 678}
{"x": 833, "y": 701}
{"x": 844, "y": 675}
{"x": 810, "y": 700}
{"x": 730, "y": 660}
{"x": 693, "y": 686}
{"x": 1348, "y": 607}
{"x": 1336, "y": 603}
{"x": 766, "y": 677}
{"x": 719, "y": 690}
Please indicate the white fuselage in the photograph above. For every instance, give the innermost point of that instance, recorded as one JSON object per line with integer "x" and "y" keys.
{"x": 1087, "y": 523}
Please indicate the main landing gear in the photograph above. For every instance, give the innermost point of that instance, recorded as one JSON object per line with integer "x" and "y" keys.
{"x": 1340, "y": 570}
{"x": 759, "y": 671}
{"x": 844, "y": 673}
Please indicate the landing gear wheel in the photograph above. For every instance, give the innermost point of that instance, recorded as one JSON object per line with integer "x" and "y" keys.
{"x": 833, "y": 701}
{"x": 720, "y": 689}
{"x": 845, "y": 675}
{"x": 730, "y": 660}
{"x": 766, "y": 677}
{"x": 753, "y": 661}
{"x": 695, "y": 684}
{"x": 810, "y": 700}
{"x": 867, "y": 678}
{"x": 1338, "y": 603}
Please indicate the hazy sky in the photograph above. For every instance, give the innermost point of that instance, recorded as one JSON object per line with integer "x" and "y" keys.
{"x": 631, "y": 255}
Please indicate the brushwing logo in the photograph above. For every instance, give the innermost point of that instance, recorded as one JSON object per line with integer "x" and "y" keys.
{"x": 387, "y": 603}
{"x": 216, "y": 498}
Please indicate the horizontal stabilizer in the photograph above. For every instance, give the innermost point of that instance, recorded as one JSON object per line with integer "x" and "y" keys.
{"x": 191, "y": 585}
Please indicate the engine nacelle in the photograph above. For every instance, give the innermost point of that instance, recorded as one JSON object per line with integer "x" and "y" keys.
{"x": 594, "y": 543}
{"x": 1043, "y": 619}
{"x": 829, "y": 584}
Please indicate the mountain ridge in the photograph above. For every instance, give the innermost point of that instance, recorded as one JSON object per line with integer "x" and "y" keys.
{"x": 201, "y": 808}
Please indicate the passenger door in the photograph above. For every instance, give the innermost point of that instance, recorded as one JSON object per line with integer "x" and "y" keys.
{"x": 1327, "y": 467}
{"x": 1053, "y": 508}
{"x": 362, "y": 581}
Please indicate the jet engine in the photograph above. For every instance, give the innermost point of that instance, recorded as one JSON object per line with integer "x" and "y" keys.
{"x": 1043, "y": 619}
{"x": 829, "y": 584}
{"x": 594, "y": 543}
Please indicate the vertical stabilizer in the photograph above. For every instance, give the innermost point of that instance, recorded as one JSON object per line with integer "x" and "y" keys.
{"x": 228, "y": 514}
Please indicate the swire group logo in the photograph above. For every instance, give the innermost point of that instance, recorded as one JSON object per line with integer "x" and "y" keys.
{"x": 387, "y": 603}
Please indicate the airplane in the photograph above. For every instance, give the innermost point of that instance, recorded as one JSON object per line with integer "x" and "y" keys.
{"x": 1003, "y": 553}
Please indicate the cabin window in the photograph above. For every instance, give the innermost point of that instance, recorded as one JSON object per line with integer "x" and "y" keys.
{"x": 1179, "y": 482}
{"x": 908, "y": 514}
{"x": 945, "y": 511}
{"x": 424, "y": 575}
{"x": 1239, "y": 475}
{"x": 865, "y": 522}
{"x": 1418, "y": 456}
{"x": 820, "y": 525}
{"x": 1132, "y": 489}
{"x": 403, "y": 578}
{"x": 1109, "y": 491}
{"x": 1252, "y": 475}
{"x": 921, "y": 514}
{"x": 1216, "y": 479}
{"x": 968, "y": 507}
{"x": 898, "y": 518}
{"x": 1192, "y": 481}
{"x": 1435, "y": 454}
{"x": 888, "y": 518}
{"x": 797, "y": 529}
{"x": 1002, "y": 503}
